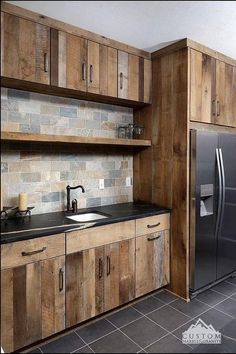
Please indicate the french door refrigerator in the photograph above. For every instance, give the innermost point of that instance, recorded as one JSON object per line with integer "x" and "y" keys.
{"x": 212, "y": 208}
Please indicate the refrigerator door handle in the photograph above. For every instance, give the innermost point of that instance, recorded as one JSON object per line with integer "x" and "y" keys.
{"x": 223, "y": 188}
{"x": 220, "y": 190}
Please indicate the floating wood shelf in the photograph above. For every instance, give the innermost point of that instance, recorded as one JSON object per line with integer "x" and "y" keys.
{"x": 63, "y": 139}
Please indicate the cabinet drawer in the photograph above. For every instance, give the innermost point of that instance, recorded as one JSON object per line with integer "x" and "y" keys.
{"x": 19, "y": 253}
{"x": 99, "y": 236}
{"x": 152, "y": 224}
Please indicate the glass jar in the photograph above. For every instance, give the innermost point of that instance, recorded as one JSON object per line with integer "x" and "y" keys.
{"x": 138, "y": 131}
{"x": 130, "y": 131}
{"x": 122, "y": 132}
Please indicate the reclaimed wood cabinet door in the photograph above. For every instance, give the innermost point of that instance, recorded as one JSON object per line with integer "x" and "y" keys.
{"x": 202, "y": 87}
{"x": 25, "y": 49}
{"x": 32, "y": 302}
{"x": 119, "y": 275}
{"x": 225, "y": 94}
{"x": 84, "y": 285}
{"x": 93, "y": 77}
{"x": 107, "y": 71}
{"x": 69, "y": 60}
{"x": 152, "y": 262}
{"x": 128, "y": 76}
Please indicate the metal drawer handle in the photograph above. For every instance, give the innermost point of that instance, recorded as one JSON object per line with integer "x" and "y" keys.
{"x": 33, "y": 252}
{"x": 61, "y": 280}
{"x": 213, "y": 107}
{"x": 83, "y": 71}
{"x": 121, "y": 81}
{"x": 154, "y": 238}
{"x": 91, "y": 73}
{"x": 218, "y": 108}
{"x": 100, "y": 268}
{"x": 45, "y": 60}
{"x": 155, "y": 225}
{"x": 108, "y": 265}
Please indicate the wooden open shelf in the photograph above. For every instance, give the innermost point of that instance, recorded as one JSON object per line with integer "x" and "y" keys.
{"x": 62, "y": 139}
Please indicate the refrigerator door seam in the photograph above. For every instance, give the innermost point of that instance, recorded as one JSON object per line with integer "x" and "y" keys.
{"x": 220, "y": 191}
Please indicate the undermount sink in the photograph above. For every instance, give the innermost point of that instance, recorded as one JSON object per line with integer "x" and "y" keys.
{"x": 87, "y": 217}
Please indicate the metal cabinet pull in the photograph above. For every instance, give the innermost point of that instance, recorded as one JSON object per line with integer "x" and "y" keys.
{"x": 33, "y": 252}
{"x": 153, "y": 238}
{"x": 121, "y": 81}
{"x": 108, "y": 265}
{"x": 45, "y": 61}
{"x": 83, "y": 71}
{"x": 213, "y": 107}
{"x": 100, "y": 272}
{"x": 61, "y": 279}
{"x": 218, "y": 108}
{"x": 155, "y": 225}
{"x": 91, "y": 73}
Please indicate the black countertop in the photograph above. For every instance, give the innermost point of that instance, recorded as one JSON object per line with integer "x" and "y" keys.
{"x": 18, "y": 229}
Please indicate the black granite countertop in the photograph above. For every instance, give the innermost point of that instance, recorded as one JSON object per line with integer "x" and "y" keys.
{"x": 18, "y": 229}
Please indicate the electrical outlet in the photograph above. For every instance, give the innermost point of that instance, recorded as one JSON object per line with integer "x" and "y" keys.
{"x": 101, "y": 184}
{"x": 128, "y": 181}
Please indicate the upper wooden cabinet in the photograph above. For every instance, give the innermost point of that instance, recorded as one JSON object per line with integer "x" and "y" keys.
{"x": 212, "y": 90}
{"x": 25, "y": 53}
{"x": 134, "y": 77}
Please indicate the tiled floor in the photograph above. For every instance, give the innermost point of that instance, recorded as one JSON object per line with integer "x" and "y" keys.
{"x": 155, "y": 325}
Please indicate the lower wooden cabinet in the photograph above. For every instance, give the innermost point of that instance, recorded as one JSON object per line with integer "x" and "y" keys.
{"x": 32, "y": 302}
{"x": 152, "y": 262}
{"x": 99, "y": 279}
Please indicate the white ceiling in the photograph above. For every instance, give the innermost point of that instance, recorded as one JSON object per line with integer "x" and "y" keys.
{"x": 149, "y": 25}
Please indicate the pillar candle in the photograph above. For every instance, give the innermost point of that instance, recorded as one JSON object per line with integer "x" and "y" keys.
{"x": 22, "y": 201}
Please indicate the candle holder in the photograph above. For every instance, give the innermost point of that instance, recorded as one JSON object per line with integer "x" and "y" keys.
{"x": 4, "y": 211}
{"x": 24, "y": 213}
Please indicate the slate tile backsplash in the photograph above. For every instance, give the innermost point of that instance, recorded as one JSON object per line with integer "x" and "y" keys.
{"x": 43, "y": 171}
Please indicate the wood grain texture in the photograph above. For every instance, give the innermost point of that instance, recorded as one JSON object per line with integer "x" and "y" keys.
{"x": 152, "y": 262}
{"x": 133, "y": 78}
{"x": 25, "y": 46}
{"x": 93, "y": 77}
{"x": 60, "y": 139}
{"x": 53, "y": 298}
{"x": 147, "y": 77}
{"x": 61, "y": 26}
{"x": 225, "y": 94}
{"x": 108, "y": 71}
{"x": 7, "y": 316}
{"x": 123, "y": 72}
{"x": 11, "y": 253}
{"x": 99, "y": 236}
{"x": 202, "y": 95}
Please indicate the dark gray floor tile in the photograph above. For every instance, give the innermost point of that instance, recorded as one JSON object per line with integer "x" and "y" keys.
{"x": 168, "y": 344}
{"x": 225, "y": 288}
{"x": 169, "y": 318}
{"x": 165, "y": 296}
{"x": 228, "y": 306}
{"x": 226, "y": 346}
{"x": 212, "y": 317}
{"x": 85, "y": 349}
{"x": 36, "y": 350}
{"x": 95, "y": 330}
{"x": 65, "y": 344}
{"x": 191, "y": 309}
{"x": 143, "y": 332}
{"x": 210, "y": 297}
{"x": 147, "y": 305}
{"x": 233, "y": 297}
{"x": 232, "y": 280}
{"x": 115, "y": 342}
{"x": 230, "y": 330}
{"x": 123, "y": 317}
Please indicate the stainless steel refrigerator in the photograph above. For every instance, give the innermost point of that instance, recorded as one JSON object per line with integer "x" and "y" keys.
{"x": 212, "y": 208}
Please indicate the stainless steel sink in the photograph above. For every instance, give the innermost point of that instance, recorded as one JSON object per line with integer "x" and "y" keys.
{"x": 86, "y": 217}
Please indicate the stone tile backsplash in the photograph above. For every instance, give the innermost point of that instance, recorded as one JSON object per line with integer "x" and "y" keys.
{"x": 43, "y": 171}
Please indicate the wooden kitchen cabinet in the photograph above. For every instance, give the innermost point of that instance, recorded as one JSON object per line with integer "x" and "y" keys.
{"x": 152, "y": 262}
{"x": 32, "y": 302}
{"x": 225, "y": 94}
{"x": 108, "y": 71}
{"x": 25, "y": 53}
{"x": 212, "y": 90}
{"x": 99, "y": 279}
